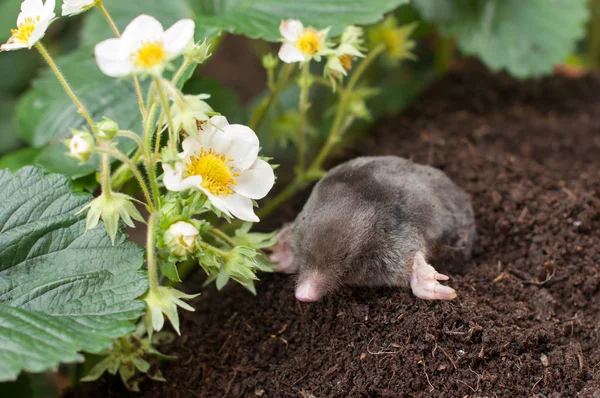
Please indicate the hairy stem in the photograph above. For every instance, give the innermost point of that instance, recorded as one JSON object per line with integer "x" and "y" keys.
{"x": 136, "y": 81}
{"x": 261, "y": 112}
{"x": 123, "y": 173}
{"x": 136, "y": 172}
{"x": 303, "y": 108}
{"x": 179, "y": 73}
{"x": 153, "y": 276}
{"x": 165, "y": 105}
{"x": 336, "y": 131}
{"x": 81, "y": 109}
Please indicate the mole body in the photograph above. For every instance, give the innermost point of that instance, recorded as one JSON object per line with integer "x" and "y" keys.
{"x": 375, "y": 221}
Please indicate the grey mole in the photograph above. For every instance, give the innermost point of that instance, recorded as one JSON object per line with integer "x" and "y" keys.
{"x": 375, "y": 221}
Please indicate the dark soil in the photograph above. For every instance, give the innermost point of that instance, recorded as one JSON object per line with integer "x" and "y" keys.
{"x": 526, "y": 320}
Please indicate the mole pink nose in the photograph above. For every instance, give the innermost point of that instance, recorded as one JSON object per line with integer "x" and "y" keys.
{"x": 307, "y": 291}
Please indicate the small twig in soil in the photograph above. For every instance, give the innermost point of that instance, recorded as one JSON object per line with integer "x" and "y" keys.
{"x": 302, "y": 377}
{"x": 462, "y": 382}
{"x": 230, "y": 383}
{"x": 381, "y": 352}
{"x": 536, "y": 383}
{"x": 478, "y": 378}
{"x": 224, "y": 344}
{"x": 449, "y": 358}
{"x": 427, "y": 377}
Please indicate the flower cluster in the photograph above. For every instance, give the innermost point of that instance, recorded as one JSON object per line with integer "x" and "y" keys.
{"x": 215, "y": 168}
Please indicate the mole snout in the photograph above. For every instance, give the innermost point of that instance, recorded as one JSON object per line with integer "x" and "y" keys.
{"x": 374, "y": 221}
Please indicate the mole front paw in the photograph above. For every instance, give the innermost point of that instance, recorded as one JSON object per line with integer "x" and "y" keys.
{"x": 282, "y": 254}
{"x": 424, "y": 281}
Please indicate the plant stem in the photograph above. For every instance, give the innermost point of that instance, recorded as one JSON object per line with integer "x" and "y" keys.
{"x": 123, "y": 174}
{"x": 261, "y": 112}
{"x": 179, "y": 73}
{"x": 335, "y": 131}
{"x": 150, "y": 253}
{"x": 81, "y": 109}
{"x": 165, "y": 106}
{"x": 118, "y": 155}
{"x": 136, "y": 81}
{"x": 222, "y": 235}
{"x": 105, "y": 172}
{"x": 133, "y": 136}
{"x": 303, "y": 108}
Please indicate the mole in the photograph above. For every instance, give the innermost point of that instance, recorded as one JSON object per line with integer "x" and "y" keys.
{"x": 377, "y": 221}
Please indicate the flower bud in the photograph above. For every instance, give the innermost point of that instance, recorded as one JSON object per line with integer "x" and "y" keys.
{"x": 107, "y": 129}
{"x": 181, "y": 238}
{"x": 111, "y": 208}
{"x": 269, "y": 61}
{"x": 197, "y": 53}
{"x": 81, "y": 145}
{"x": 194, "y": 110}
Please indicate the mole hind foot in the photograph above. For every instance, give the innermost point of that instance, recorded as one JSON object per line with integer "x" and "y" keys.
{"x": 282, "y": 254}
{"x": 424, "y": 281}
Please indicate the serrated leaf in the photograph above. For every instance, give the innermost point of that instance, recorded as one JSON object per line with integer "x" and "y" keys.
{"x": 261, "y": 18}
{"x": 123, "y": 12}
{"x": 61, "y": 291}
{"x": 527, "y": 38}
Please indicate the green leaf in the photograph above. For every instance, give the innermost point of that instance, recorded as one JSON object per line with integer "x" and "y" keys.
{"x": 61, "y": 291}
{"x": 166, "y": 11}
{"x": 19, "y": 159}
{"x": 46, "y": 114}
{"x": 527, "y": 38}
{"x": 9, "y": 140}
{"x": 261, "y": 18}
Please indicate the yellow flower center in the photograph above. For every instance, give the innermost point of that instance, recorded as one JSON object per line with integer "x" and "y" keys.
{"x": 216, "y": 175}
{"x": 346, "y": 61}
{"x": 23, "y": 31}
{"x": 309, "y": 42}
{"x": 150, "y": 54}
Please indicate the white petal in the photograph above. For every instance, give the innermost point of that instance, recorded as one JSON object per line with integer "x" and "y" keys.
{"x": 178, "y": 36}
{"x": 142, "y": 28}
{"x": 237, "y": 142}
{"x": 291, "y": 29}
{"x": 256, "y": 182}
{"x": 38, "y": 32}
{"x": 216, "y": 202}
{"x": 191, "y": 146}
{"x": 70, "y": 7}
{"x": 48, "y": 10}
{"x": 216, "y": 124}
{"x": 13, "y": 46}
{"x": 30, "y": 9}
{"x": 289, "y": 53}
{"x": 240, "y": 206}
{"x": 112, "y": 58}
{"x": 174, "y": 181}
{"x": 182, "y": 228}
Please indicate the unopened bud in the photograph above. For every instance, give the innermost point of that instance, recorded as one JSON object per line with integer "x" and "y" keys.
{"x": 107, "y": 129}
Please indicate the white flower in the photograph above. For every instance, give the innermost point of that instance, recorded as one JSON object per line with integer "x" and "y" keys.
{"x": 222, "y": 162}
{"x": 81, "y": 145}
{"x": 301, "y": 44}
{"x": 339, "y": 61}
{"x": 194, "y": 109}
{"x": 181, "y": 237}
{"x": 165, "y": 300}
{"x": 144, "y": 47}
{"x": 72, "y": 7}
{"x": 32, "y": 22}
